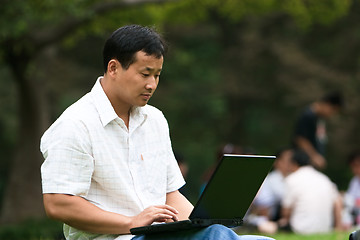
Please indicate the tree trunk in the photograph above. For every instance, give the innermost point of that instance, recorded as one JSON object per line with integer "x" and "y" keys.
{"x": 23, "y": 198}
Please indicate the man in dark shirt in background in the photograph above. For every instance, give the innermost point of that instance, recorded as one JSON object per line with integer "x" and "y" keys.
{"x": 310, "y": 131}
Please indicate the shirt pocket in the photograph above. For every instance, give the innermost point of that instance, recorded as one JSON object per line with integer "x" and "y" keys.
{"x": 156, "y": 172}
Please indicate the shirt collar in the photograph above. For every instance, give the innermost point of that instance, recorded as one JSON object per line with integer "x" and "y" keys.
{"x": 138, "y": 115}
{"x": 106, "y": 110}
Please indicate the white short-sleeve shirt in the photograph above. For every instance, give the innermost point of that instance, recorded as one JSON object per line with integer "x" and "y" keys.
{"x": 311, "y": 196}
{"x": 89, "y": 152}
{"x": 354, "y": 188}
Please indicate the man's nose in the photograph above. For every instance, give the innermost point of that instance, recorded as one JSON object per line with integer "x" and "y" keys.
{"x": 152, "y": 83}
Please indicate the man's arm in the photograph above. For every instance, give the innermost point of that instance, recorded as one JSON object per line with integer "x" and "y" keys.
{"x": 316, "y": 158}
{"x": 285, "y": 217}
{"x": 83, "y": 215}
{"x": 338, "y": 207}
{"x": 180, "y": 203}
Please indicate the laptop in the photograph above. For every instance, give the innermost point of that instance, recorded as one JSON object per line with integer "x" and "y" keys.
{"x": 227, "y": 196}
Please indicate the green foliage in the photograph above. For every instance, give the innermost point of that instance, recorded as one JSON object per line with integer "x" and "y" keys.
{"x": 32, "y": 15}
{"x": 304, "y": 12}
{"x": 33, "y": 230}
{"x": 307, "y": 13}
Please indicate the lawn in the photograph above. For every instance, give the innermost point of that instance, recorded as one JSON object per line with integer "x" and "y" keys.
{"x": 51, "y": 230}
{"x": 332, "y": 236}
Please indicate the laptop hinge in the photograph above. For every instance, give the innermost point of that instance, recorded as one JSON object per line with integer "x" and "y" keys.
{"x": 226, "y": 222}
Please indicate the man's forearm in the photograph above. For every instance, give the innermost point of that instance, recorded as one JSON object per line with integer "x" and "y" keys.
{"x": 316, "y": 158}
{"x": 306, "y": 146}
{"x": 83, "y": 215}
{"x": 179, "y": 202}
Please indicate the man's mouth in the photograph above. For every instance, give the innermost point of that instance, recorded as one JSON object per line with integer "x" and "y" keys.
{"x": 146, "y": 96}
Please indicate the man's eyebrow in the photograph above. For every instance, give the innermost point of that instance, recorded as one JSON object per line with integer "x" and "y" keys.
{"x": 153, "y": 69}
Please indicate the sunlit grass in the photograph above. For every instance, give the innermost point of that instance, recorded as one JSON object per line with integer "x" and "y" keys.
{"x": 51, "y": 230}
{"x": 330, "y": 236}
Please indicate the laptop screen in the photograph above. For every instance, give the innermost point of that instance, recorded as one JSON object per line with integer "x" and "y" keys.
{"x": 232, "y": 187}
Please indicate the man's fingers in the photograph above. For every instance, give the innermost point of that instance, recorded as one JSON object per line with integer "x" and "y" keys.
{"x": 166, "y": 212}
{"x": 165, "y": 217}
{"x": 169, "y": 214}
{"x": 168, "y": 208}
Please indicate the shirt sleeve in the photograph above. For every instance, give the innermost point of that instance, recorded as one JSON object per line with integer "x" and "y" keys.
{"x": 68, "y": 164}
{"x": 306, "y": 126}
{"x": 175, "y": 180}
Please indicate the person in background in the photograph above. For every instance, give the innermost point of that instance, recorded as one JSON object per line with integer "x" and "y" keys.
{"x": 265, "y": 209}
{"x": 228, "y": 148}
{"x": 310, "y": 130}
{"x": 311, "y": 202}
{"x": 184, "y": 169}
{"x": 352, "y": 195}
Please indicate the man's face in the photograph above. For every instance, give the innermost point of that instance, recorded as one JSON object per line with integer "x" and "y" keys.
{"x": 283, "y": 162}
{"x": 329, "y": 110}
{"x": 136, "y": 85}
{"x": 355, "y": 167}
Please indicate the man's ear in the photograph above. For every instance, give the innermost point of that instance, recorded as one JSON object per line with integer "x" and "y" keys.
{"x": 113, "y": 66}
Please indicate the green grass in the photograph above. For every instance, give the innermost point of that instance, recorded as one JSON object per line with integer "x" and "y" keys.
{"x": 51, "y": 230}
{"x": 330, "y": 236}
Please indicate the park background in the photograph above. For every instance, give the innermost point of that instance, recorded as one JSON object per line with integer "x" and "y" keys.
{"x": 237, "y": 71}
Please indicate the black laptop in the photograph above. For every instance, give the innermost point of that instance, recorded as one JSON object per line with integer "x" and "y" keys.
{"x": 227, "y": 196}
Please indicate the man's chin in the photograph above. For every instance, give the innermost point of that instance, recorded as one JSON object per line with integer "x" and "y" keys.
{"x": 142, "y": 104}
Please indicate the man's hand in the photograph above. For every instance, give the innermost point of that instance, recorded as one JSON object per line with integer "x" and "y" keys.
{"x": 318, "y": 161}
{"x": 161, "y": 213}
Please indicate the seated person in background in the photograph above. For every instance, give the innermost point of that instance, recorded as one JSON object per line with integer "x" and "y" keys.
{"x": 227, "y": 148}
{"x": 311, "y": 202}
{"x": 352, "y": 195}
{"x": 184, "y": 169}
{"x": 271, "y": 192}
{"x": 266, "y": 206}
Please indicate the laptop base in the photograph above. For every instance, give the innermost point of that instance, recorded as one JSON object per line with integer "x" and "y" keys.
{"x": 170, "y": 227}
{"x": 183, "y": 225}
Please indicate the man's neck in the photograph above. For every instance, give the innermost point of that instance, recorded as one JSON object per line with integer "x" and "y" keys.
{"x": 316, "y": 108}
{"x": 125, "y": 117}
{"x": 122, "y": 111}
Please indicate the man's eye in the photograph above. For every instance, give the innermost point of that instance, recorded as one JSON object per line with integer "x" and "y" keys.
{"x": 145, "y": 74}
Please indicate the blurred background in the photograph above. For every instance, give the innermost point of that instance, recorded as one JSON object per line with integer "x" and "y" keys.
{"x": 237, "y": 71}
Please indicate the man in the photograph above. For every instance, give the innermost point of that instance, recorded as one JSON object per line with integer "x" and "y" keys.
{"x": 352, "y": 195}
{"x": 109, "y": 165}
{"x": 310, "y": 130}
{"x": 311, "y": 202}
{"x": 271, "y": 192}
{"x": 266, "y": 206}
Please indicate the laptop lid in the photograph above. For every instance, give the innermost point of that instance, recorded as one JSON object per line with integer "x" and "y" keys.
{"x": 232, "y": 187}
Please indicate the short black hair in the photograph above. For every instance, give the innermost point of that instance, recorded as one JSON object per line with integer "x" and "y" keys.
{"x": 124, "y": 42}
{"x": 300, "y": 158}
{"x": 179, "y": 157}
{"x": 353, "y": 156}
{"x": 282, "y": 150}
{"x": 333, "y": 98}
